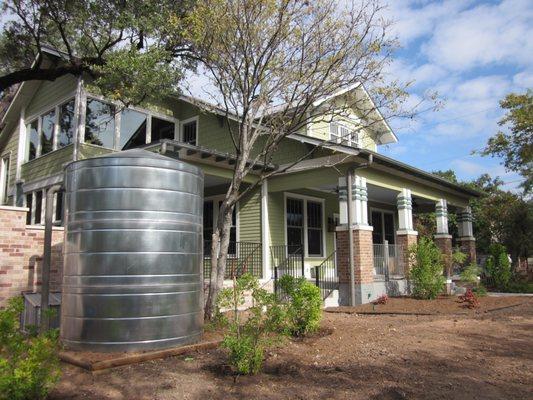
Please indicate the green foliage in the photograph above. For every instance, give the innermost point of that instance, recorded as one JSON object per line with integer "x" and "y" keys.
{"x": 29, "y": 365}
{"x": 304, "y": 306}
{"x": 247, "y": 338}
{"x": 470, "y": 274}
{"x": 480, "y": 290}
{"x": 458, "y": 257}
{"x": 515, "y": 145}
{"x": 498, "y": 267}
{"x": 518, "y": 286}
{"x": 426, "y": 271}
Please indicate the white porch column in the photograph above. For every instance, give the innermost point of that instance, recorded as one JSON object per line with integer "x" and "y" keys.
{"x": 265, "y": 231}
{"x": 441, "y": 211}
{"x": 405, "y": 212}
{"x": 359, "y": 201}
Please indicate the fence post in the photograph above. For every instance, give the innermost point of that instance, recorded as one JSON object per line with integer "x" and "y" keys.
{"x": 317, "y": 276}
{"x": 276, "y": 281}
{"x": 386, "y": 257}
{"x": 303, "y": 267}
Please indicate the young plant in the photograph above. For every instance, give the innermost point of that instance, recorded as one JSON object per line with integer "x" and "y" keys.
{"x": 470, "y": 275}
{"x": 29, "y": 365}
{"x": 249, "y": 335}
{"x": 426, "y": 271}
{"x": 383, "y": 299}
{"x": 498, "y": 266}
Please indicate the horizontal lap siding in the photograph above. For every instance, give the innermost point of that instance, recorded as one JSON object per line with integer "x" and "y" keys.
{"x": 90, "y": 151}
{"x": 49, "y": 164}
{"x": 250, "y": 218}
{"x": 11, "y": 150}
{"x": 49, "y": 93}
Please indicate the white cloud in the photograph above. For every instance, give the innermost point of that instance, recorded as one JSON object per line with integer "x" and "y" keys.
{"x": 523, "y": 79}
{"x": 483, "y": 35}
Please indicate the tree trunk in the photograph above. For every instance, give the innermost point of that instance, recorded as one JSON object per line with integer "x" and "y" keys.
{"x": 219, "y": 255}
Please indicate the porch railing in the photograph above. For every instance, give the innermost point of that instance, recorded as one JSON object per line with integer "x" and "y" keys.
{"x": 286, "y": 260}
{"x": 389, "y": 260}
{"x": 243, "y": 257}
{"x": 326, "y": 277}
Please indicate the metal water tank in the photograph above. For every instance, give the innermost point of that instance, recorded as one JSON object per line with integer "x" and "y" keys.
{"x": 133, "y": 253}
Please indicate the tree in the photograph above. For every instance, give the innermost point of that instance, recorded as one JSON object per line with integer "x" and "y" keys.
{"x": 515, "y": 145}
{"x": 272, "y": 66}
{"x": 123, "y": 45}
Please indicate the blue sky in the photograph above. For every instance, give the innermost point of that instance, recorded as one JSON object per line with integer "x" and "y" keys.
{"x": 472, "y": 53}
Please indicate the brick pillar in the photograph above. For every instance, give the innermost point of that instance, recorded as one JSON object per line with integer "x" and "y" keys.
{"x": 406, "y": 239}
{"x": 468, "y": 246}
{"x": 444, "y": 243}
{"x": 363, "y": 264}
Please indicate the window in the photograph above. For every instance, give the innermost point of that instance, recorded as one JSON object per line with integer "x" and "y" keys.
{"x": 305, "y": 226}
{"x": 162, "y": 129}
{"x": 314, "y": 229}
{"x": 48, "y": 123}
{"x": 189, "y": 129}
{"x": 59, "y": 206}
{"x": 38, "y": 206}
{"x": 33, "y": 135}
{"x": 210, "y": 219}
{"x": 295, "y": 226}
{"x": 384, "y": 228}
{"x": 66, "y": 124}
{"x": 100, "y": 123}
{"x": 4, "y": 179}
{"x": 340, "y": 133}
{"x": 29, "y": 205}
{"x": 132, "y": 129}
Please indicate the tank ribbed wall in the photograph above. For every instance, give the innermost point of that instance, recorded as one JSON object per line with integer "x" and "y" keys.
{"x": 133, "y": 253}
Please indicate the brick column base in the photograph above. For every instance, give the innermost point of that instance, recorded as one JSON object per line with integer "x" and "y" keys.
{"x": 406, "y": 239}
{"x": 444, "y": 243}
{"x": 363, "y": 264}
{"x": 468, "y": 246}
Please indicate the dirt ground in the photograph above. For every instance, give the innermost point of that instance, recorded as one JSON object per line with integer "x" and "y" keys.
{"x": 477, "y": 355}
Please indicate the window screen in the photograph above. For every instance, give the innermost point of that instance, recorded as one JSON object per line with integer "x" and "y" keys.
{"x": 33, "y": 135}
{"x": 66, "y": 124}
{"x": 295, "y": 226}
{"x": 314, "y": 228}
{"x": 48, "y": 122}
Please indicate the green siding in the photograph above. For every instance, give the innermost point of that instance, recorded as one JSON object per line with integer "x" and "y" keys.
{"x": 50, "y": 93}
{"x": 250, "y": 217}
{"x": 11, "y": 149}
{"x": 47, "y": 165}
{"x": 87, "y": 150}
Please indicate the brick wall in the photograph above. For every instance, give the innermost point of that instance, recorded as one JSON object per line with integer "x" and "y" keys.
{"x": 363, "y": 256}
{"x": 444, "y": 243}
{"x": 21, "y": 252}
{"x": 468, "y": 246}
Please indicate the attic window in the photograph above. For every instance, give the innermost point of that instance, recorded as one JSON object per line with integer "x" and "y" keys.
{"x": 340, "y": 133}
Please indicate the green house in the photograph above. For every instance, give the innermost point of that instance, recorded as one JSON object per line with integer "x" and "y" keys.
{"x": 297, "y": 218}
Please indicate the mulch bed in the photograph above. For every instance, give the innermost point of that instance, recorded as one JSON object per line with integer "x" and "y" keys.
{"x": 444, "y": 305}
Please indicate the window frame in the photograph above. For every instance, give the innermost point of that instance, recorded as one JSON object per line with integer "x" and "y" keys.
{"x": 339, "y": 139}
{"x": 383, "y": 211}
{"x": 195, "y": 119}
{"x": 5, "y": 166}
{"x": 305, "y": 199}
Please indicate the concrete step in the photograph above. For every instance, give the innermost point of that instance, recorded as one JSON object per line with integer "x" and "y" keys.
{"x": 332, "y": 300}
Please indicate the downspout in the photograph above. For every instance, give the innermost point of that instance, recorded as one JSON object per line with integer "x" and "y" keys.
{"x": 47, "y": 258}
{"x": 349, "y": 180}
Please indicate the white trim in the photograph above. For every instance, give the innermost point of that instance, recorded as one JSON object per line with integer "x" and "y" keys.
{"x": 4, "y": 176}
{"x": 21, "y": 154}
{"x": 49, "y": 107}
{"x": 265, "y": 230}
{"x": 187, "y": 121}
{"x": 305, "y": 198}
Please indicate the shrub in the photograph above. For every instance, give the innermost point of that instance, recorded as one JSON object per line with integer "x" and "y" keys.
{"x": 304, "y": 305}
{"x": 426, "y": 270}
{"x": 498, "y": 266}
{"x": 480, "y": 290}
{"x": 29, "y": 365}
{"x": 458, "y": 258}
{"x": 383, "y": 299}
{"x": 470, "y": 299}
{"x": 470, "y": 274}
{"x": 247, "y": 338}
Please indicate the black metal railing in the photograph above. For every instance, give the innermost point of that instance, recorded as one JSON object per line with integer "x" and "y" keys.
{"x": 243, "y": 257}
{"x": 326, "y": 277}
{"x": 388, "y": 260}
{"x": 286, "y": 260}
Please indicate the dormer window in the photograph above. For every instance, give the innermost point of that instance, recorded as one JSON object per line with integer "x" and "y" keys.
{"x": 340, "y": 133}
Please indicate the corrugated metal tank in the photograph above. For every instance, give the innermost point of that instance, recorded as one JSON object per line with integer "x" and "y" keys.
{"x": 132, "y": 271}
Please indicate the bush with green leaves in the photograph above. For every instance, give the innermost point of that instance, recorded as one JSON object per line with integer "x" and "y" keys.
{"x": 426, "y": 269}
{"x": 469, "y": 275}
{"x": 304, "y": 305}
{"x": 29, "y": 364}
{"x": 498, "y": 267}
{"x": 249, "y": 333}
